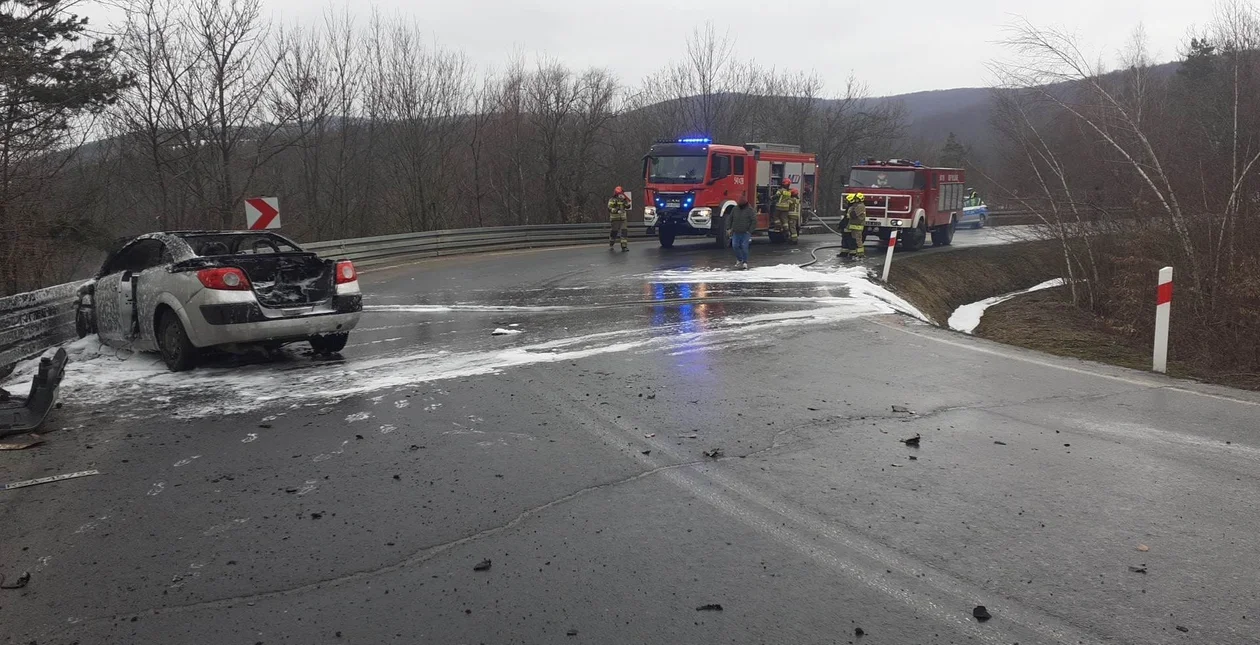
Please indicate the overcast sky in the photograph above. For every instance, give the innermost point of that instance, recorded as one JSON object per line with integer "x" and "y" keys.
{"x": 895, "y": 46}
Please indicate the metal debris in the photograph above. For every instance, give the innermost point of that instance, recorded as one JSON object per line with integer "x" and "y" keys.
{"x": 1183, "y": 629}
{"x": 709, "y": 607}
{"x": 47, "y": 480}
{"x": 913, "y": 442}
{"x": 714, "y": 453}
{"x": 901, "y": 409}
{"x": 981, "y": 614}
{"x": 484, "y": 565}
{"x": 1000, "y": 443}
{"x": 859, "y": 631}
{"x": 22, "y": 443}
{"x": 1141, "y": 569}
{"x": 22, "y": 581}
{"x": 571, "y": 632}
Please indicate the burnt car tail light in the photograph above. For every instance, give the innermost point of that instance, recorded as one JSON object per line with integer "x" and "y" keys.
{"x": 224, "y": 279}
{"x": 346, "y": 272}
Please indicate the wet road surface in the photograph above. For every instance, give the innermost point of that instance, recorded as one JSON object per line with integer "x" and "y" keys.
{"x": 287, "y": 500}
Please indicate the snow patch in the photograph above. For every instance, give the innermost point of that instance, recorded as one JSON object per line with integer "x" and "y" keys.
{"x": 967, "y": 317}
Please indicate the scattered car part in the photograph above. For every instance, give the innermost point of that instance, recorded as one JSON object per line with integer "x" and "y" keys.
{"x": 18, "y": 415}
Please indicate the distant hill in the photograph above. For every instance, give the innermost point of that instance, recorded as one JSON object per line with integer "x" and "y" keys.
{"x": 966, "y": 112}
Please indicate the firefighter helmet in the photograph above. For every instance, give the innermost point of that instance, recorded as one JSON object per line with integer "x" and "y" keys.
{"x": 795, "y": 193}
{"x": 854, "y": 198}
{"x": 618, "y": 191}
{"x": 787, "y": 183}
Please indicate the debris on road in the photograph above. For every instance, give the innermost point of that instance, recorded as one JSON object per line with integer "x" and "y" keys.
{"x": 19, "y": 415}
{"x": 1000, "y": 443}
{"x": 22, "y": 442}
{"x": 981, "y": 614}
{"x": 1183, "y": 629}
{"x": 714, "y": 453}
{"x": 858, "y": 631}
{"x": 571, "y": 632}
{"x": 1141, "y": 569}
{"x": 17, "y": 584}
{"x": 913, "y": 458}
{"x": 651, "y": 396}
{"x": 709, "y": 607}
{"x": 505, "y": 332}
{"x": 901, "y": 409}
{"x": 484, "y": 565}
{"x": 47, "y": 480}
{"x": 913, "y": 442}
{"x": 316, "y": 516}
{"x": 1143, "y": 548}
{"x": 649, "y": 436}
{"x": 646, "y": 452}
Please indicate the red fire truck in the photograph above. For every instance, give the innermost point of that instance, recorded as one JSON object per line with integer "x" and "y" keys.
{"x": 914, "y": 199}
{"x": 692, "y": 185}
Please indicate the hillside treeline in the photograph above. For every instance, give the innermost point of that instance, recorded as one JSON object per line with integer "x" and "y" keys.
{"x": 361, "y": 125}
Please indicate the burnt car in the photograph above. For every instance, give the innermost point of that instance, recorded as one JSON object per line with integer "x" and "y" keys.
{"x": 180, "y": 292}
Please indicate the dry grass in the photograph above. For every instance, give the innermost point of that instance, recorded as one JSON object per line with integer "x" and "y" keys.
{"x": 1045, "y": 321}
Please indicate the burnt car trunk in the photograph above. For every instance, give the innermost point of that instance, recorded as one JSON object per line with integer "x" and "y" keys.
{"x": 288, "y": 279}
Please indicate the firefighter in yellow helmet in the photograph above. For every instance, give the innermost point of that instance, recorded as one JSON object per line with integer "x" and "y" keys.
{"x": 618, "y": 211}
{"x": 782, "y": 207}
{"x": 794, "y": 217}
{"x": 854, "y": 234}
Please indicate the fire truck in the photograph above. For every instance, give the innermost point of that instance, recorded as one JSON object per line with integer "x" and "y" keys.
{"x": 692, "y": 185}
{"x": 911, "y": 198}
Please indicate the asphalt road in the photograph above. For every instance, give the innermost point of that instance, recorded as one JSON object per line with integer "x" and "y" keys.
{"x": 298, "y": 501}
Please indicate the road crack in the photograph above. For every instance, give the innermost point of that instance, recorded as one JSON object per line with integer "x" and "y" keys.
{"x": 417, "y": 557}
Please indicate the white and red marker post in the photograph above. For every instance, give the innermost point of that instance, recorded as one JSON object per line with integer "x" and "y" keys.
{"x": 262, "y": 213}
{"x": 1163, "y": 311}
{"x": 892, "y": 244}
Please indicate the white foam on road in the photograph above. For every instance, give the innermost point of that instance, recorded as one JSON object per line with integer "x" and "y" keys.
{"x": 99, "y": 376}
{"x": 138, "y": 384}
{"x": 861, "y": 288}
{"x": 438, "y": 309}
{"x": 967, "y": 317}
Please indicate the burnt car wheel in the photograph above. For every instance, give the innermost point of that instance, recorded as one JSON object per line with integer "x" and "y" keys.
{"x": 178, "y": 352}
{"x": 82, "y": 322}
{"x": 329, "y": 343}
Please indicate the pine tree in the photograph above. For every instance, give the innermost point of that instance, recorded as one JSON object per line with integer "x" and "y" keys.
{"x": 953, "y": 154}
{"x": 48, "y": 79}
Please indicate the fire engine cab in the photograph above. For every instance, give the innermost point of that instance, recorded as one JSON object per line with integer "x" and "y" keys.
{"x": 910, "y": 197}
{"x": 692, "y": 185}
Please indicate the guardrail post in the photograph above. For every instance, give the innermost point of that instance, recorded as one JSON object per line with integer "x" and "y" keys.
{"x": 892, "y": 244}
{"x": 1163, "y": 311}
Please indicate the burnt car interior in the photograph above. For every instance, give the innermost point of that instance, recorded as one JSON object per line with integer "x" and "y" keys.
{"x": 282, "y": 275}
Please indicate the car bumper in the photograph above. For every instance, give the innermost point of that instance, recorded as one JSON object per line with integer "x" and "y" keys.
{"x": 873, "y": 223}
{"x": 226, "y": 318}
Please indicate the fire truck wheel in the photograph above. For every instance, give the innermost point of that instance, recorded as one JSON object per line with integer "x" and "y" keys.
{"x": 667, "y": 238}
{"x": 944, "y": 235}
{"x": 915, "y": 240}
{"x": 720, "y": 234}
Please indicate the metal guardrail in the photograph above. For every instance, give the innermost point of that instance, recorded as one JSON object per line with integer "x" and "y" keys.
{"x": 34, "y": 321}
{"x": 376, "y": 251}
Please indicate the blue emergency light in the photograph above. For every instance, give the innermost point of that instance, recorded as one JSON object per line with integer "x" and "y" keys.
{"x": 696, "y": 140}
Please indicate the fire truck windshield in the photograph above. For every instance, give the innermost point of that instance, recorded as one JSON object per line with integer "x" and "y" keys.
{"x": 676, "y": 170}
{"x": 898, "y": 179}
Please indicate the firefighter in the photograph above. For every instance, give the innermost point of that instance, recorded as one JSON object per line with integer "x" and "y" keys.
{"x": 794, "y": 217}
{"x": 854, "y": 234}
{"x": 782, "y": 207}
{"x": 618, "y": 210}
